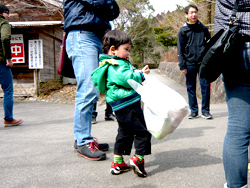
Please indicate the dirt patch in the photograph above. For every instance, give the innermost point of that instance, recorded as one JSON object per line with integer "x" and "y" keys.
{"x": 56, "y": 91}
{"x": 64, "y": 94}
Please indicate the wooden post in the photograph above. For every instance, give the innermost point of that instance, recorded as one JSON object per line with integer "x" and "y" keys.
{"x": 36, "y": 82}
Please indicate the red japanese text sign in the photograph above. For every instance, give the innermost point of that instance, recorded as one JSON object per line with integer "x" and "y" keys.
{"x": 17, "y": 48}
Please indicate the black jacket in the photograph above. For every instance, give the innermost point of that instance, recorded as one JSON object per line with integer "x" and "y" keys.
{"x": 89, "y": 15}
{"x": 190, "y": 43}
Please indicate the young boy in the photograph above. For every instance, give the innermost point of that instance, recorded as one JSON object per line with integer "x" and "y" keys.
{"x": 112, "y": 78}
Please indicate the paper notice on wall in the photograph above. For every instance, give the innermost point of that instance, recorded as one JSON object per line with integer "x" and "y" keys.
{"x": 35, "y": 54}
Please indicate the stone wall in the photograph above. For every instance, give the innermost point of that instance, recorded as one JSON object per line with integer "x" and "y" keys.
{"x": 171, "y": 69}
{"x": 22, "y": 90}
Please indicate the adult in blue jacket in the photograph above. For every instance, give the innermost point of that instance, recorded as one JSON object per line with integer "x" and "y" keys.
{"x": 191, "y": 41}
{"x": 86, "y": 22}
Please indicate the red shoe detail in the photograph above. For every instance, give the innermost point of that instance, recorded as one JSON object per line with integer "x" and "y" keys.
{"x": 119, "y": 168}
{"x": 138, "y": 166}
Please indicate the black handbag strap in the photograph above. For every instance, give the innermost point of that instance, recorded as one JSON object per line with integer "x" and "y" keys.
{"x": 233, "y": 17}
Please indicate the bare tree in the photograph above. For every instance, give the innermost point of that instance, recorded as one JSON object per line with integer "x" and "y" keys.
{"x": 27, "y": 9}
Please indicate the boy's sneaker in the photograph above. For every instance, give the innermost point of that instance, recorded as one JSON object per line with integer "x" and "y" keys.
{"x": 138, "y": 166}
{"x": 110, "y": 117}
{"x": 91, "y": 151}
{"x": 102, "y": 147}
{"x": 193, "y": 115}
{"x": 119, "y": 168}
{"x": 207, "y": 115}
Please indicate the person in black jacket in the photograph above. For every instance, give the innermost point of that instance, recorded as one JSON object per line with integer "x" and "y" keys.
{"x": 191, "y": 40}
{"x": 86, "y": 22}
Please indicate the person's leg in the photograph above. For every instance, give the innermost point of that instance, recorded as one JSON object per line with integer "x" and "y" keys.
{"x": 123, "y": 143}
{"x": 108, "y": 110}
{"x": 205, "y": 92}
{"x": 6, "y": 82}
{"x": 83, "y": 49}
{"x": 125, "y": 136}
{"x": 142, "y": 140}
{"x": 236, "y": 142}
{"x": 191, "y": 77}
{"x": 94, "y": 114}
{"x": 109, "y": 116}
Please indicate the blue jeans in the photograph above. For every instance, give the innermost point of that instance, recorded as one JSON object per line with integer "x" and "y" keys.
{"x": 191, "y": 77}
{"x": 83, "y": 48}
{"x": 235, "y": 148}
{"x": 6, "y": 82}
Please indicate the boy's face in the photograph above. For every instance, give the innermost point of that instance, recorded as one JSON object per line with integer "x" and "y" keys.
{"x": 123, "y": 51}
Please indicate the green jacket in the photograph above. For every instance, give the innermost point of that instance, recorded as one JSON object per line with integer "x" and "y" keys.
{"x": 111, "y": 77}
{"x": 5, "y": 37}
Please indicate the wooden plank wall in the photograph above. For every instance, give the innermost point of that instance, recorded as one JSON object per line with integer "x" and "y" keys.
{"x": 52, "y": 37}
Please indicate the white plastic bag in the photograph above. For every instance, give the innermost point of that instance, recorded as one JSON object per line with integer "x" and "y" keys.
{"x": 164, "y": 108}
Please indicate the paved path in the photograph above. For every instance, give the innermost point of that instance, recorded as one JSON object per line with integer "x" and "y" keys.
{"x": 40, "y": 153}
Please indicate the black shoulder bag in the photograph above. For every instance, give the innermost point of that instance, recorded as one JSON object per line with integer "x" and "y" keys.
{"x": 216, "y": 49}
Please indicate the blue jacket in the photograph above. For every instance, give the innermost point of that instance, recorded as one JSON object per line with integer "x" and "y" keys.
{"x": 89, "y": 15}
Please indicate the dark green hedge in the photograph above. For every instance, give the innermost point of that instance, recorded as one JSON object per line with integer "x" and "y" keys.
{"x": 141, "y": 65}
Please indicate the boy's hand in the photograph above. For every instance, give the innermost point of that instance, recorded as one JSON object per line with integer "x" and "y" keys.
{"x": 146, "y": 70}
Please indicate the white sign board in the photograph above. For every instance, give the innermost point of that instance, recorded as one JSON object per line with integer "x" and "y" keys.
{"x": 17, "y": 48}
{"x": 35, "y": 54}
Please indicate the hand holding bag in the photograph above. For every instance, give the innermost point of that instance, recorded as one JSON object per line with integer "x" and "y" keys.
{"x": 216, "y": 49}
{"x": 65, "y": 67}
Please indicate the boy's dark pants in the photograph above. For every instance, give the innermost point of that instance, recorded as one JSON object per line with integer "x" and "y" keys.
{"x": 132, "y": 128}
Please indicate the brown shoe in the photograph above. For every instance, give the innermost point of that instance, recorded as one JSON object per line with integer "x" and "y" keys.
{"x": 14, "y": 122}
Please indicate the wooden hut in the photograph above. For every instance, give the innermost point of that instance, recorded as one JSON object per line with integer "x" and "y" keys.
{"x": 31, "y": 20}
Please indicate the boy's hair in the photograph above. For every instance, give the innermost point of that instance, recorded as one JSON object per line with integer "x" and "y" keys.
{"x": 3, "y": 8}
{"x": 114, "y": 38}
{"x": 190, "y": 6}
